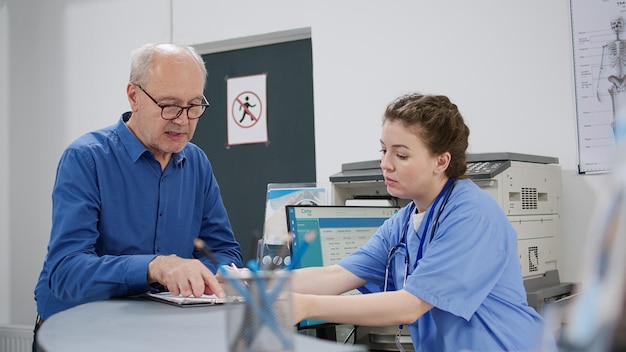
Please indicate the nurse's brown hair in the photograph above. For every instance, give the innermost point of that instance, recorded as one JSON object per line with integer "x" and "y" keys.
{"x": 438, "y": 123}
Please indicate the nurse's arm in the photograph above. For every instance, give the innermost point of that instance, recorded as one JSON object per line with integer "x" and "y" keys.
{"x": 327, "y": 280}
{"x": 374, "y": 309}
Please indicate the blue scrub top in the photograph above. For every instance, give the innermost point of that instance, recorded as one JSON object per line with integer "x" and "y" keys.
{"x": 469, "y": 272}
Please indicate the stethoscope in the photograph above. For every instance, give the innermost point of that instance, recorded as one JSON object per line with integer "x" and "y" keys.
{"x": 444, "y": 195}
{"x": 402, "y": 245}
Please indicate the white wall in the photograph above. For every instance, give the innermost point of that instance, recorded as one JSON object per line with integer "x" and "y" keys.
{"x": 4, "y": 176}
{"x": 69, "y": 62}
{"x": 507, "y": 64}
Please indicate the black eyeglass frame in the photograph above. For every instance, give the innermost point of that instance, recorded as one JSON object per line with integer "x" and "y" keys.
{"x": 180, "y": 108}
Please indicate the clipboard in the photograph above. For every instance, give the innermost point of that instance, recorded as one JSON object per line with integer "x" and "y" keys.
{"x": 180, "y": 301}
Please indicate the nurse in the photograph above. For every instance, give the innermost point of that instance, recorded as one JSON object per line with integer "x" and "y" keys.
{"x": 446, "y": 265}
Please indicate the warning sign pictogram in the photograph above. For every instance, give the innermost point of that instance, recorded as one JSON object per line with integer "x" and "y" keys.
{"x": 246, "y": 109}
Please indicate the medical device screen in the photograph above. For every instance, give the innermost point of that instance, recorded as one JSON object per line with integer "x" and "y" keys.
{"x": 339, "y": 230}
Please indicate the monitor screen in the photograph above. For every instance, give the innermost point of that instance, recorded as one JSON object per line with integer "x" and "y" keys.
{"x": 339, "y": 231}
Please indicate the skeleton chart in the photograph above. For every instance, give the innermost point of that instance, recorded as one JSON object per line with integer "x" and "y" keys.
{"x": 599, "y": 66}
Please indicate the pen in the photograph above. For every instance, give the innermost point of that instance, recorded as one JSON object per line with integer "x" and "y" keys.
{"x": 257, "y": 305}
{"x": 236, "y": 269}
{"x": 200, "y": 245}
{"x": 299, "y": 251}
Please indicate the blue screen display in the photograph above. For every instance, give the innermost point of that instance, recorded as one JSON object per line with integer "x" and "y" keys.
{"x": 339, "y": 230}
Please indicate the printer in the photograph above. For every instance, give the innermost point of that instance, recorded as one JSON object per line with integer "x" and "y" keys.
{"x": 527, "y": 187}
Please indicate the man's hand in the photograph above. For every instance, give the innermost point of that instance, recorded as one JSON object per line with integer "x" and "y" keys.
{"x": 184, "y": 277}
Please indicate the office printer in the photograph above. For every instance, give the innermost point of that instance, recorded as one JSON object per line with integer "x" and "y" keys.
{"x": 527, "y": 187}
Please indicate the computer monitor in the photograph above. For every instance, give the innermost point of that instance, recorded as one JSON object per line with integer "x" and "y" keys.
{"x": 339, "y": 231}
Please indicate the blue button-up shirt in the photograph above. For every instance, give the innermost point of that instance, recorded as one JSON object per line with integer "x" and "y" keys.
{"x": 114, "y": 210}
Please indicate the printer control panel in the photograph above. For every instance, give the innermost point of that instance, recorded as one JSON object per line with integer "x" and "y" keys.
{"x": 486, "y": 169}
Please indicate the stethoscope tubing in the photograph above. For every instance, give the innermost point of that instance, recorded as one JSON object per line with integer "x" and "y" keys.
{"x": 445, "y": 192}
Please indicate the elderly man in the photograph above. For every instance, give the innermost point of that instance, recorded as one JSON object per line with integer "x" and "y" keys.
{"x": 129, "y": 200}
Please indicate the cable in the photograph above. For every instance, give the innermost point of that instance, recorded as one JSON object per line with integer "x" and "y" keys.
{"x": 352, "y": 332}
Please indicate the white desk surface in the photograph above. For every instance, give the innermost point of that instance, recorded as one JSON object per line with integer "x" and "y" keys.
{"x": 138, "y": 324}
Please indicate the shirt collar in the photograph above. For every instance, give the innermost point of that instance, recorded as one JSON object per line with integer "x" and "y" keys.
{"x": 134, "y": 147}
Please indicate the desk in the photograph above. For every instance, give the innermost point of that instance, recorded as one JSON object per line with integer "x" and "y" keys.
{"x": 137, "y": 324}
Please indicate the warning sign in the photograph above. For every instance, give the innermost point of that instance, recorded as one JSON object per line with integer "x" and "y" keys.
{"x": 247, "y": 120}
{"x": 247, "y": 109}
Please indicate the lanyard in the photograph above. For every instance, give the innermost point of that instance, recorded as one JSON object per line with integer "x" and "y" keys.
{"x": 445, "y": 193}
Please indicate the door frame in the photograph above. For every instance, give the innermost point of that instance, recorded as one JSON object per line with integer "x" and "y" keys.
{"x": 252, "y": 41}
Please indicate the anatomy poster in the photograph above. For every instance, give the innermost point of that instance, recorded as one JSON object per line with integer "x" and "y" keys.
{"x": 599, "y": 71}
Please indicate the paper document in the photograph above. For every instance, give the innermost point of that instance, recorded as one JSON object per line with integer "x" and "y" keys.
{"x": 181, "y": 301}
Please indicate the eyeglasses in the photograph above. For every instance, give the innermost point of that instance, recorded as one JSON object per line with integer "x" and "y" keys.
{"x": 172, "y": 112}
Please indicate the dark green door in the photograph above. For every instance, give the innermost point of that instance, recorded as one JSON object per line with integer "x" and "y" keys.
{"x": 243, "y": 171}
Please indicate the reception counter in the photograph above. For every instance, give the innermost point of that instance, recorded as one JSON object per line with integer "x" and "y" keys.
{"x": 138, "y": 324}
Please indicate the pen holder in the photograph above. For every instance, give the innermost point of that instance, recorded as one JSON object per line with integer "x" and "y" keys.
{"x": 259, "y": 313}
{"x": 272, "y": 255}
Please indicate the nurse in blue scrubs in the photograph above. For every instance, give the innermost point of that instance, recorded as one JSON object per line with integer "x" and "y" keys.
{"x": 445, "y": 266}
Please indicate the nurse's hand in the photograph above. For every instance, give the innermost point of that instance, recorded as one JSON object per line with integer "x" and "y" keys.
{"x": 231, "y": 269}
